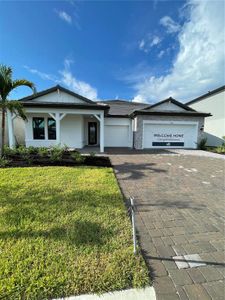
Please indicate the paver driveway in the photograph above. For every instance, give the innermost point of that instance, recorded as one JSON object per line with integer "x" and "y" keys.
{"x": 180, "y": 209}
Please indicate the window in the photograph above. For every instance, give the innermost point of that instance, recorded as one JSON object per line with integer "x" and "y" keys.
{"x": 38, "y": 128}
{"x": 51, "y": 129}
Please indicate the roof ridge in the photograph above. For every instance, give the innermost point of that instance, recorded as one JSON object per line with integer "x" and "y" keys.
{"x": 209, "y": 93}
{"x": 53, "y": 89}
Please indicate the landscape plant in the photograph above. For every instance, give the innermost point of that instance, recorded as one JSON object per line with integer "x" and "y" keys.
{"x": 77, "y": 157}
{"x": 202, "y": 144}
{"x": 7, "y": 85}
{"x": 56, "y": 153}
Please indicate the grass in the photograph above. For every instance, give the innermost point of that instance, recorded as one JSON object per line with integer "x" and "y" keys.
{"x": 64, "y": 231}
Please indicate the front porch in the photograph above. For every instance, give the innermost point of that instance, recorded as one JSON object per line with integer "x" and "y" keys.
{"x": 73, "y": 128}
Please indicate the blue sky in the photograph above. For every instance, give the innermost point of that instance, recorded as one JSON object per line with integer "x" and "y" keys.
{"x": 136, "y": 50}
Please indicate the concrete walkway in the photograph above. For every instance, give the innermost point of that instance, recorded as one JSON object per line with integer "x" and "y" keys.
{"x": 180, "y": 208}
{"x": 131, "y": 294}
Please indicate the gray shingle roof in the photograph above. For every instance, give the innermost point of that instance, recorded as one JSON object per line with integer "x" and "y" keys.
{"x": 123, "y": 108}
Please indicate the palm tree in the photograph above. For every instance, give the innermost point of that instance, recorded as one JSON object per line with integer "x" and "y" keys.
{"x": 7, "y": 84}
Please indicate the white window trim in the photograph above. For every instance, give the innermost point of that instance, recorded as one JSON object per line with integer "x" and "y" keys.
{"x": 46, "y": 129}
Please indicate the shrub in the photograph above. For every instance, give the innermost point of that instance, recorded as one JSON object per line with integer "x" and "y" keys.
{"x": 92, "y": 154}
{"x": 22, "y": 150}
{"x": 32, "y": 150}
{"x": 202, "y": 144}
{"x": 65, "y": 148}
{"x": 220, "y": 149}
{"x": 8, "y": 151}
{"x": 4, "y": 162}
{"x": 43, "y": 151}
{"x": 77, "y": 157}
{"x": 56, "y": 153}
{"x": 223, "y": 144}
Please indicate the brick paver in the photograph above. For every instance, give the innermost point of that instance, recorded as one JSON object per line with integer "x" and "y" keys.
{"x": 178, "y": 214}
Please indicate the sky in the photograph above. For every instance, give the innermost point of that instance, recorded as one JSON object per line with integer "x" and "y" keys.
{"x": 142, "y": 51}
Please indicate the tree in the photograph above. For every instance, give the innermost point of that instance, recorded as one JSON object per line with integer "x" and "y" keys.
{"x": 7, "y": 85}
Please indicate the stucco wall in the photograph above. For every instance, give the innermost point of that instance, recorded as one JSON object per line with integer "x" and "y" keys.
{"x": 138, "y": 133}
{"x": 215, "y": 125}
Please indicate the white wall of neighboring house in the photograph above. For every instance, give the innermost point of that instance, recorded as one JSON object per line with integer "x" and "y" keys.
{"x": 214, "y": 128}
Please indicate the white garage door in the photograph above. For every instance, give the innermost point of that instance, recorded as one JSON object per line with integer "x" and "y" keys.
{"x": 162, "y": 135}
{"x": 116, "y": 136}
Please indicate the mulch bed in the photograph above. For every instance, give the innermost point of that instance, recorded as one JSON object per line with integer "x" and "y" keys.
{"x": 66, "y": 160}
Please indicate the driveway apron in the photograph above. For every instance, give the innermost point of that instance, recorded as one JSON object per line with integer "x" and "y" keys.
{"x": 180, "y": 219}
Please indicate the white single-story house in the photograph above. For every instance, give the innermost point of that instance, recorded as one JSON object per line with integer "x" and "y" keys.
{"x": 58, "y": 116}
{"x": 213, "y": 102}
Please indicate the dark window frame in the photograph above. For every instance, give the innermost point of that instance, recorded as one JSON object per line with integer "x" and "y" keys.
{"x": 51, "y": 136}
{"x": 38, "y": 132}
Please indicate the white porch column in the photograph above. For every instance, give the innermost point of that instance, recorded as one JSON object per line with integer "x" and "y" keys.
{"x": 58, "y": 131}
{"x": 102, "y": 132}
{"x": 10, "y": 129}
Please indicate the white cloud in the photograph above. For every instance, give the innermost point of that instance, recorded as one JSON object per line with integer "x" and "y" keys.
{"x": 170, "y": 24}
{"x": 141, "y": 44}
{"x": 139, "y": 99}
{"x": 149, "y": 42}
{"x": 42, "y": 75}
{"x": 80, "y": 87}
{"x": 155, "y": 41}
{"x": 200, "y": 63}
{"x": 69, "y": 80}
{"x": 161, "y": 53}
{"x": 64, "y": 16}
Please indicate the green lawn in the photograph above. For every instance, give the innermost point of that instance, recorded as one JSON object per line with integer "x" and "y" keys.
{"x": 64, "y": 231}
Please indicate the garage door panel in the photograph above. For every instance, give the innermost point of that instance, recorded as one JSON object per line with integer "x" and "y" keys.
{"x": 116, "y": 136}
{"x": 170, "y": 136}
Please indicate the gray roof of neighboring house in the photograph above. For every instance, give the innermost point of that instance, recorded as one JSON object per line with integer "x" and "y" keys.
{"x": 123, "y": 108}
{"x": 206, "y": 95}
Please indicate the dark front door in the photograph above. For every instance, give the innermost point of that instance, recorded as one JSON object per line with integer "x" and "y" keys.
{"x": 92, "y": 133}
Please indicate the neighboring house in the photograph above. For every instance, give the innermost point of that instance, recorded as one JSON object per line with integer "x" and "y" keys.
{"x": 58, "y": 116}
{"x": 213, "y": 102}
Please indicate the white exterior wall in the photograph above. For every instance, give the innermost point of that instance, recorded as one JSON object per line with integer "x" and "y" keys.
{"x": 214, "y": 128}
{"x": 71, "y": 131}
{"x": 58, "y": 97}
{"x": 167, "y": 107}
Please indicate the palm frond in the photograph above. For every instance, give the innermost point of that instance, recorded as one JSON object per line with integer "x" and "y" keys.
{"x": 5, "y": 81}
{"x": 23, "y": 82}
{"x": 5, "y": 71}
{"x": 17, "y": 108}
